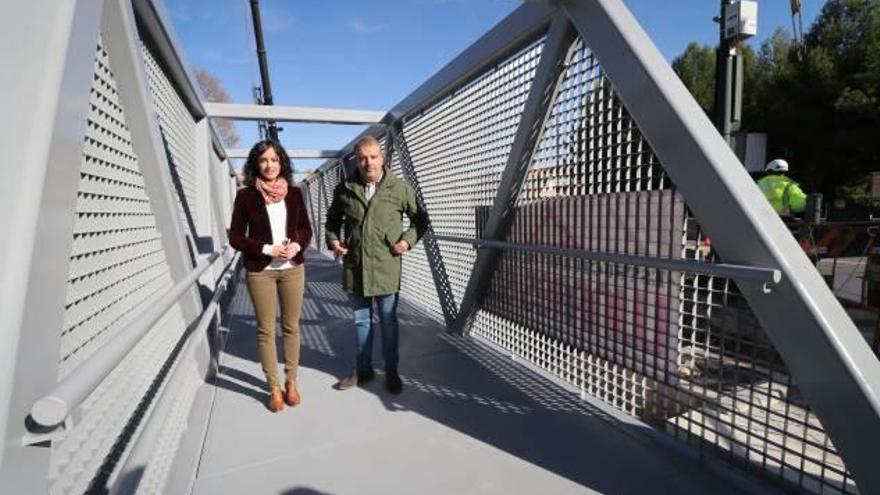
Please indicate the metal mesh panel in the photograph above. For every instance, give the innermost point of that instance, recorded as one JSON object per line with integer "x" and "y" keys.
{"x": 321, "y": 195}
{"x": 750, "y": 409}
{"x": 116, "y": 260}
{"x": 317, "y": 213}
{"x": 117, "y": 266}
{"x": 416, "y": 283}
{"x": 179, "y": 139}
{"x": 680, "y": 350}
{"x": 459, "y": 148}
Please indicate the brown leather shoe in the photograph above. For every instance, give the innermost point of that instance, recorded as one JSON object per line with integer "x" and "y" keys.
{"x": 348, "y": 382}
{"x": 275, "y": 402}
{"x": 291, "y": 394}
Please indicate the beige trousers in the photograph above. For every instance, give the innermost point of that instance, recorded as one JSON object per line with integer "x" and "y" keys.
{"x": 286, "y": 287}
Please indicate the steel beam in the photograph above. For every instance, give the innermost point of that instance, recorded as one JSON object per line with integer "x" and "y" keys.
{"x": 767, "y": 276}
{"x": 153, "y": 20}
{"x": 40, "y": 200}
{"x": 126, "y": 62}
{"x": 292, "y": 153}
{"x": 237, "y": 111}
{"x": 545, "y": 86}
{"x": 830, "y": 361}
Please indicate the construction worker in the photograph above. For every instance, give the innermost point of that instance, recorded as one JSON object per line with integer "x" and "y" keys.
{"x": 784, "y": 194}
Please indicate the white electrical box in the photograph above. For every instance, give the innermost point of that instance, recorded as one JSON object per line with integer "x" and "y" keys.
{"x": 740, "y": 20}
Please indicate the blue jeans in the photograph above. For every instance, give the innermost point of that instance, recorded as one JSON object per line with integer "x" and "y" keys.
{"x": 363, "y": 319}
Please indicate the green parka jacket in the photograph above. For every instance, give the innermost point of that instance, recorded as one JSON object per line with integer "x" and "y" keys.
{"x": 371, "y": 228}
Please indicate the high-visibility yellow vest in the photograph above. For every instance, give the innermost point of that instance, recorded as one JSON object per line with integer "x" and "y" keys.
{"x": 784, "y": 194}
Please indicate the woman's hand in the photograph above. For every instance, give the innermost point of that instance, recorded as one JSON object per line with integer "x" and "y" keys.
{"x": 289, "y": 251}
{"x": 278, "y": 251}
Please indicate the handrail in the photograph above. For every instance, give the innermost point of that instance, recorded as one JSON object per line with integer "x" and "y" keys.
{"x": 144, "y": 444}
{"x": 51, "y": 409}
{"x": 765, "y": 275}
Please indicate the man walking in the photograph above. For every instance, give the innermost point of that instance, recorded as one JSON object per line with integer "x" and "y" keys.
{"x": 371, "y": 207}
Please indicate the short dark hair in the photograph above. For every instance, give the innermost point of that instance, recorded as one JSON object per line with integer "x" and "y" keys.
{"x": 252, "y": 165}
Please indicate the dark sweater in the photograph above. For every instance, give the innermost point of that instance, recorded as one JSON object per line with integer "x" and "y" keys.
{"x": 250, "y": 228}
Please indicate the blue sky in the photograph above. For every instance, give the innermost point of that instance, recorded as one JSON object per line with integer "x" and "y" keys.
{"x": 371, "y": 54}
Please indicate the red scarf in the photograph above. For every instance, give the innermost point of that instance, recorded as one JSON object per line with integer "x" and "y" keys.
{"x": 272, "y": 193}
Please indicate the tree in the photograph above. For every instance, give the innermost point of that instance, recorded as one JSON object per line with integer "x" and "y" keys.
{"x": 826, "y": 115}
{"x": 821, "y": 111}
{"x": 696, "y": 69}
{"x": 214, "y": 92}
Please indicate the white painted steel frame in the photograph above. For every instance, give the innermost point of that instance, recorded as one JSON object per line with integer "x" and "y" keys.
{"x": 292, "y": 153}
{"x": 240, "y": 111}
{"x": 767, "y": 276}
{"x": 817, "y": 339}
{"x": 46, "y": 105}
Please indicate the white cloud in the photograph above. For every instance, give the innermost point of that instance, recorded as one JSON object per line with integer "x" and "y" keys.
{"x": 361, "y": 26}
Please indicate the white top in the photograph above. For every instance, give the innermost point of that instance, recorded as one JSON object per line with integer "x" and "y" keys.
{"x": 370, "y": 189}
{"x": 278, "y": 221}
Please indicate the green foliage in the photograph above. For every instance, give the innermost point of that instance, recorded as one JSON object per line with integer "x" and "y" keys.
{"x": 821, "y": 111}
{"x": 696, "y": 68}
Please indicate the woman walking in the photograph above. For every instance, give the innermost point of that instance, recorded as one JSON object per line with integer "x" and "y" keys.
{"x": 270, "y": 227}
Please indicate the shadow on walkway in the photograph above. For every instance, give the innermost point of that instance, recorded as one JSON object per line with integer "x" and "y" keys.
{"x": 469, "y": 419}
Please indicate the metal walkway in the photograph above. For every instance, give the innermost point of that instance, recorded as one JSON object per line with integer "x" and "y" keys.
{"x": 467, "y": 421}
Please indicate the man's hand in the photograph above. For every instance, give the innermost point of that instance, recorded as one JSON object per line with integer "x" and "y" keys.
{"x": 401, "y": 247}
{"x": 338, "y": 247}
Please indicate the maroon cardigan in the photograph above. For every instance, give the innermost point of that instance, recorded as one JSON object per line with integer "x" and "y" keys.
{"x": 250, "y": 228}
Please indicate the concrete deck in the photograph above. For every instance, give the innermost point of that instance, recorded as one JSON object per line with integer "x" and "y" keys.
{"x": 468, "y": 421}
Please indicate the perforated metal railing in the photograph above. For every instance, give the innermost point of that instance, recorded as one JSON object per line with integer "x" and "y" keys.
{"x": 178, "y": 139}
{"x": 678, "y": 349}
{"x": 117, "y": 266}
{"x": 115, "y": 337}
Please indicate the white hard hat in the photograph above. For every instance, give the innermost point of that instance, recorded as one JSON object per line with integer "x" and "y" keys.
{"x": 777, "y": 165}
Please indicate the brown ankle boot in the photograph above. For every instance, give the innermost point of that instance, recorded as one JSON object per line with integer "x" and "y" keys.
{"x": 276, "y": 402}
{"x": 291, "y": 396}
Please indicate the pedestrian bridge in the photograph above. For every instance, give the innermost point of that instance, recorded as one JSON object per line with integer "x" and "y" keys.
{"x": 566, "y": 326}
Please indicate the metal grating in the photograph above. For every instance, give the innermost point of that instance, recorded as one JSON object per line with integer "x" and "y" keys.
{"x": 459, "y": 148}
{"x": 179, "y": 139}
{"x": 116, "y": 267}
{"x": 116, "y": 260}
{"x": 682, "y": 351}
{"x": 751, "y": 411}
